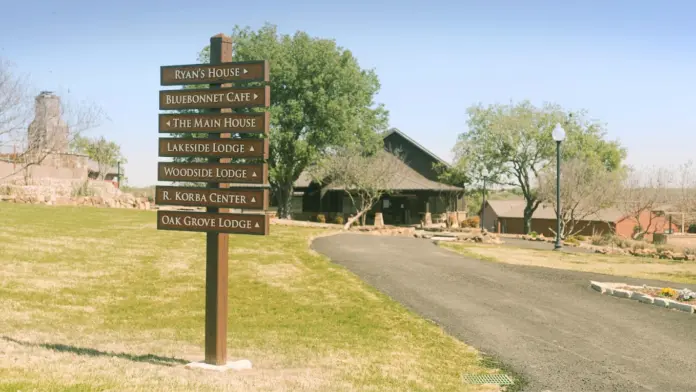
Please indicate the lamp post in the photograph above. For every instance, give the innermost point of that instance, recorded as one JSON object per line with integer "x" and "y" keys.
{"x": 483, "y": 202}
{"x": 558, "y": 135}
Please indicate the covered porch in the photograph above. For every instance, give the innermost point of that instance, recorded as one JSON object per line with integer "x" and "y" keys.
{"x": 403, "y": 207}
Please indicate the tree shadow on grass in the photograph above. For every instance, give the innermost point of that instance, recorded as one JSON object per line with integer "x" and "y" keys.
{"x": 90, "y": 352}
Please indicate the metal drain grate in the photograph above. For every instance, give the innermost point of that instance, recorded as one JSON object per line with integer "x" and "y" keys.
{"x": 499, "y": 379}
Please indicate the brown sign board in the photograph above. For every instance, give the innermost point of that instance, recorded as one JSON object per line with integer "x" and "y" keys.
{"x": 232, "y": 97}
{"x": 216, "y": 148}
{"x": 215, "y": 123}
{"x": 211, "y": 222}
{"x": 212, "y": 172}
{"x": 248, "y": 71}
{"x": 254, "y": 199}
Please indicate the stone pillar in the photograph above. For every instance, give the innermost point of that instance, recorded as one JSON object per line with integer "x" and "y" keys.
{"x": 379, "y": 219}
{"x": 453, "y": 219}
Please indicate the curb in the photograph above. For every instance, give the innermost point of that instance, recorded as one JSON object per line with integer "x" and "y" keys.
{"x": 613, "y": 290}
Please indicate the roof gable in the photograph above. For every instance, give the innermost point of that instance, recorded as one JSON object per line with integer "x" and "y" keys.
{"x": 414, "y": 143}
{"x": 415, "y": 155}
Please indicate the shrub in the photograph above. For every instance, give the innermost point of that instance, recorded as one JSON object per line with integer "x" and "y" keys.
{"x": 321, "y": 218}
{"x": 472, "y": 221}
{"x": 581, "y": 237}
{"x": 599, "y": 240}
{"x": 668, "y": 292}
{"x": 82, "y": 189}
{"x": 534, "y": 234}
{"x": 692, "y": 228}
{"x": 572, "y": 240}
{"x": 338, "y": 220}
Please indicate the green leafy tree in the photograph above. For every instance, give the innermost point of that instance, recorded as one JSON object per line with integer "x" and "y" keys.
{"x": 320, "y": 99}
{"x": 511, "y": 145}
{"x": 105, "y": 153}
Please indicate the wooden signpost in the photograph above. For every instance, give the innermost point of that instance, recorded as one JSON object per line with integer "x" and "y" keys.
{"x": 218, "y": 122}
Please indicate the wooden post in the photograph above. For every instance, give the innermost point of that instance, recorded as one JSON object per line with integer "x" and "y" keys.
{"x": 217, "y": 243}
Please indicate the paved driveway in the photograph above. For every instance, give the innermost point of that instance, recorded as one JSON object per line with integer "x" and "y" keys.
{"x": 546, "y": 324}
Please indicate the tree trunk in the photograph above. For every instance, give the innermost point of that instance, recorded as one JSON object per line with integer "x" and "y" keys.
{"x": 527, "y": 218}
{"x": 284, "y": 199}
{"x": 527, "y": 223}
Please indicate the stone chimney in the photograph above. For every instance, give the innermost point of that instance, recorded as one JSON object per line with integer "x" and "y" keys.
{"x": 48, "y": 132}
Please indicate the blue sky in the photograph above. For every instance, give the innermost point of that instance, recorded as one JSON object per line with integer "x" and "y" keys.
{"x": 631, "y": 64}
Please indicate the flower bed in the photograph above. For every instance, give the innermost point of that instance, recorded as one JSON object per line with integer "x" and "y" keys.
{"x": 685, "y": 296}
{"x": 664, "y": 297}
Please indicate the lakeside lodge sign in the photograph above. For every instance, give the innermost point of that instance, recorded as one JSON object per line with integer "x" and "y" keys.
{"x": 221, "y": 148}
{"x": 215, "y": 99}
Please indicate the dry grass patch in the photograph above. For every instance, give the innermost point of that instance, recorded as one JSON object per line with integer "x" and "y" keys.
{"x": 109, "y": 303}
{"x": 631, "y": 266}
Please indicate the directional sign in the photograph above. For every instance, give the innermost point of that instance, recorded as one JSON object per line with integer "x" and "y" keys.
{"x": 211, "y": 222}
{"x": 215, "y": 98}
{"x": 220, "y": 148}
{"x": 214, "y": 123}
{"x": 212, "y": 172}
{"x": 214, "y": 74}
{"x": 255, "y": 199}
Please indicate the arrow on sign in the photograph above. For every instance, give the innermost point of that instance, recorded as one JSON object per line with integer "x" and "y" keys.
{"x": 253, "y": 174}
{"x": 253, "y": 199}
{"x": 245, "y": 71}
{"x": 256, "y": 225}
{"x": 168, "y": 124}
{"x": 255, "y": 96}
{"x": 251, "y": 148}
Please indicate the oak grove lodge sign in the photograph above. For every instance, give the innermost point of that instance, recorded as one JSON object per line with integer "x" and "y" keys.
{"x": 207, "y": 222}
{"x": 215, "y": 98}
{"x": 208, "y": 74}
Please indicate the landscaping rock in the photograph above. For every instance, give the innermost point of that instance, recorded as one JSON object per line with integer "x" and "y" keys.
{"x": 680, "y": 306}
{"x": 662, "y": 302}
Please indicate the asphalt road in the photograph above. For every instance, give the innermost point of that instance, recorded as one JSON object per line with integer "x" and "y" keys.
{"x": 548, "y": 325}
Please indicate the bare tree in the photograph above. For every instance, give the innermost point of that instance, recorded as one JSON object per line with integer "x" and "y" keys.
{"x": 364, "y": 177}
{"x": 642, "y": 192}
{"x": 14, "y": 113}
{"x": 684, "y": 199}
{"x": 586, "y": 190}
{"x": 16, "y": 109}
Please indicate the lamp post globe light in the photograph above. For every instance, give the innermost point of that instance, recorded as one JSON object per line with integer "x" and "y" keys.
{"x": 558, "y": 135}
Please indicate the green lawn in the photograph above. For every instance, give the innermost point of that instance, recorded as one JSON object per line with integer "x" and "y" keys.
{"x": 98, "y": 299}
